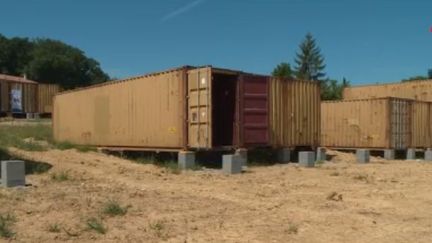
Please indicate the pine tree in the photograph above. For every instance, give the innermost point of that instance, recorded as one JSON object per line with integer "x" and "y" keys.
{"x": 283, "y": 70}
{"x": 309, "y": 61}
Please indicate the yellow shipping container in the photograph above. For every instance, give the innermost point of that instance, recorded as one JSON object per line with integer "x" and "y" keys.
{"x": 376, "y": 123}
{"x": 46, "y": 93}
{"x": 417, "y": 90}
{"x": 295, "y": 113}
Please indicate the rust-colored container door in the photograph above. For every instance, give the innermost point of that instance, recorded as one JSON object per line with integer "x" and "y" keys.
{"x": 199, "y": 108}
{"x": 254, "y": 111}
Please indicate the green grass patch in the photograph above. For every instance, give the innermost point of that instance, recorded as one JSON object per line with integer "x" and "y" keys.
{"x": 96, "y": 225}
{"x": 60, "y": 176}
{"x": 6, "y": 222}
{"x": 37, "y": 137}
{"x": 67, "y": 145}
{"x": 113, "y": 208}
{"x": 24, "y": 137}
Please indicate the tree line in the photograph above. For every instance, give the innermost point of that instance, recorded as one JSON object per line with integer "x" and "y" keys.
{"x": 49, "y": 61}
{"x": 309, "y": 65}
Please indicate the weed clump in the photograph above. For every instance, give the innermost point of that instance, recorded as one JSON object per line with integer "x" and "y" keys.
{"x": 54, "y": 228}
{"x": 6, "y": 221}
{"x": 158, "y": 228}
{"x": 113, "y": 208}
{"x": 292, "y": 229}
{"x": 61, "y": 176}
{"x": 96, "y": 225}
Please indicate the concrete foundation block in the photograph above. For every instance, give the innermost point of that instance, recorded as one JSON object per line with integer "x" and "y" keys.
{"x": 428, "y": 155}
{"x": 231, "y": 164}
{"x": 36, "y": 116}
{"x": 243, "y": 153}
{"x": 389, "y": 154}
{"x": 307, "y": 159}
{"x": 12, "y": 173}
{"x": 321, "y": 154}
{"x": 411, "y": 154}
{"x": 186, "y": 160}
{"x": 284, "y": 155}
{"x": 363, "y": 156}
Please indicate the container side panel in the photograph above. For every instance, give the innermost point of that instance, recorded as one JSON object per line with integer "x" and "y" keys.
{"x": 421, "y": 125}
{"x": 355, "y": 124}
{"x": 199, "y": 108}
{"x": 143, "y": 112}
{"x": 5, "y": 96}
{"x": 46, "y": 93}
{"x": 255, "y": 110}
{"x": 295, "y": 113}
{"x": 418, "y": 90}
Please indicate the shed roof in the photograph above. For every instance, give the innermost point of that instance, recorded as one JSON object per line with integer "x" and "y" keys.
{"x": 16, "y": 79}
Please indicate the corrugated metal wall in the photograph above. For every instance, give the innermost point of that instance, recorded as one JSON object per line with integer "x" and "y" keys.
{"x": 421, "y": 128}
{"x": 46, "y": 93}
{"x": 355, "y": 124}
{"x": 376, "y": 123}
{"x": 28, "y": 96}
{"x": 418, "y": 90}
{"x": 141, "y": 112}
{"x": 400, "y": 122}
{"x": 5, "y": 96}
{"x": 295, "y": 113}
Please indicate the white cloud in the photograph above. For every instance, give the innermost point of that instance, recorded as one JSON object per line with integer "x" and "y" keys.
{"x": 182, "y": 10}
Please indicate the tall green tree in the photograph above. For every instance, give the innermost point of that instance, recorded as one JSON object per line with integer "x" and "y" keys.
{"x": 430, "y": 73}
{"x": 283, "y": 70}
{"x": 309, "y": 60}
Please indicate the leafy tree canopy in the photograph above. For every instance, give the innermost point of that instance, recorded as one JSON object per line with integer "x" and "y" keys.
{"x": 332, "y": 89}
{"x": 49, "y": 61}
{"x": 283, "y": 70}
{"x": 309, "y": 61}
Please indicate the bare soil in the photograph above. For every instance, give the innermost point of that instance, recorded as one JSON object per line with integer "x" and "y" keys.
{"x": 339, "y": 201}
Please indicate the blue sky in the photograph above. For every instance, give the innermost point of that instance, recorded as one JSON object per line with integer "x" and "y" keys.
{"x": 366, "y": 41}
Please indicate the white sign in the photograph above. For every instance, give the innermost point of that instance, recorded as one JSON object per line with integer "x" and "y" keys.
{"x": 16, "y": 99}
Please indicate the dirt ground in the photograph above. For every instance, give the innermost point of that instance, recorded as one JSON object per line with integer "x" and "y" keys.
{"x": 339, "y": 201}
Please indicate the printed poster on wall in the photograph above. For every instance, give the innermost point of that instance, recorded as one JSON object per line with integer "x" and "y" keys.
{"x": 16, "y": 102}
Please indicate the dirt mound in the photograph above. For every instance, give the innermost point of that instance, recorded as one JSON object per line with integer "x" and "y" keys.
{"x": 334, "y": 202}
